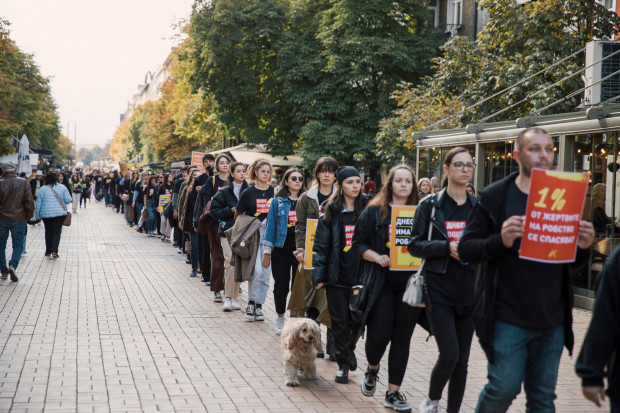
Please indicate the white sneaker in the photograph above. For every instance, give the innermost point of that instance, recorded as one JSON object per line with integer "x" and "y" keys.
{"x": 429, "y": 406}
{"x": 227, "y": 305}
{"x": 279, "y": 325}
{"x": 234, "y": 304}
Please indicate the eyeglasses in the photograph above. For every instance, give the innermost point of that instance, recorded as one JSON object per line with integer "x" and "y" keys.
{"x": 296, "y": 178}
{"x": 460, "y": 165}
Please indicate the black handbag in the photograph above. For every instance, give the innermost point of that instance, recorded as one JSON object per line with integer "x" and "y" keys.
{"x": 358, "y": 299}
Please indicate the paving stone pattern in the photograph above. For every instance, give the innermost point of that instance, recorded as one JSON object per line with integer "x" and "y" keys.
{"x": 117, "y": 325}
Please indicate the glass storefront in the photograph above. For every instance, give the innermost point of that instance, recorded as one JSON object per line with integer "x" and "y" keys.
{"x": 593, "y": 153}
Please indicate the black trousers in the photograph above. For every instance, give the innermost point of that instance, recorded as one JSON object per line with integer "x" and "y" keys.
{"x": 453, "y": 329}
{"x": 53, "y": 228}
{"x": 116, "y": 199}
{"x": 344, "y": 323}
{"x": 83, "y": 198}
{"x": 391, "y": 322}
{"x": 204, "y": 256}
{"x": 283, "y": 268}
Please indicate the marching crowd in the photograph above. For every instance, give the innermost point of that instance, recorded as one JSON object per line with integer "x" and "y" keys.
{"x": 234, "y": 225}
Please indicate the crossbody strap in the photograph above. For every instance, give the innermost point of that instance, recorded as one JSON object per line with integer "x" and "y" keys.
{"x": 59, "y": 201}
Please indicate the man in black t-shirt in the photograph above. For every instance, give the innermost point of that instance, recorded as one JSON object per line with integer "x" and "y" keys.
{"x": 523, "y": 315}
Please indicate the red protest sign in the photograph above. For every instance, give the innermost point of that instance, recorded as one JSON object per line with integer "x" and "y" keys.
{"x": 554, "y": 208}
{"x": 197, "y": 160}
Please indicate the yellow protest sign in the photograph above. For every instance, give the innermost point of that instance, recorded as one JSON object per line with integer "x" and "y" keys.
{"x": 163, "y": 200}
{"x": 311, "y": 225}
{"x": 400, "y": 233}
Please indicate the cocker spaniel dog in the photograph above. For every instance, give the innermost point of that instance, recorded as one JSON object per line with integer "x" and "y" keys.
{"x": 301, "y": 339}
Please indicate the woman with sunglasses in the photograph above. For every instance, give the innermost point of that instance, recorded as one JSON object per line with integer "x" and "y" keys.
{"x": 280, "y": 239}
{"x": 449, "y": 281}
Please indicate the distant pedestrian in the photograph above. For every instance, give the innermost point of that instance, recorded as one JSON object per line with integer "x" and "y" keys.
{"x": 36, "y": 183}
{"x": 600, "y": 355}
{"x": 524, "y": 314}
{"x": 16, "y": 207}
{"x": 370, "y": 188}
{"x": 425, "y": 187}
{"x": 51, "y": 206}
{"x": 76, "y": 191}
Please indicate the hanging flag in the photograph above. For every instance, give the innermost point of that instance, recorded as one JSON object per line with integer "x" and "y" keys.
{"x": 23, "y": 159}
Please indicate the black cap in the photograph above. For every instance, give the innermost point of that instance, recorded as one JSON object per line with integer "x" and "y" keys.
{"x": 345, "y": 172}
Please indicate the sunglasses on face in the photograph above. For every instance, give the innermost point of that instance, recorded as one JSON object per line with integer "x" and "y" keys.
{"x": 296, "y": 178}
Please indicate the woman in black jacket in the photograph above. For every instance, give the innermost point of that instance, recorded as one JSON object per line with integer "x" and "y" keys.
{"x": 335, "y": 264}
{"x": 210, "y": 254}
{"x": 449, "y": 281}
{"x": 223, "y": 209}
{"x": 389, "y": 320}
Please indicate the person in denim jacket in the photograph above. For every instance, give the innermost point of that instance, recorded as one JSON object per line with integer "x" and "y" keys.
{"x": 280, "y": 239}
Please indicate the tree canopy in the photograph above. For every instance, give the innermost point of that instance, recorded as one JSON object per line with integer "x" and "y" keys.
{"x": 517, "y": 41}
{"x": 26, "y": 103}
{"x": 309, "y": 75}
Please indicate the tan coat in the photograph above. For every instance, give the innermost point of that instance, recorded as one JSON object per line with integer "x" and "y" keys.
{"x": 301, "y": 292}
{"x": 246, "y": 227}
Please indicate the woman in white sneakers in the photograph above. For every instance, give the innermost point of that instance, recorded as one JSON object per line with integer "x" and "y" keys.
{"x": 223, "y": 209}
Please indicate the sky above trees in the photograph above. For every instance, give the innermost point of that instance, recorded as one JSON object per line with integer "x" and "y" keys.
{"x": 95, "y": 53}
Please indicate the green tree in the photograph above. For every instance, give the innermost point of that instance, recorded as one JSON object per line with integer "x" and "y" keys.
{"x": 309, "y": 74}
{"x": 369, "y": 48}
{"x": 235, "y": 60}
{"x": 518, "y": 41}
{"x": 26, "y": 104}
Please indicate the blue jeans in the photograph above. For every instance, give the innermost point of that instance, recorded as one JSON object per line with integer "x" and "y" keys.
{"x": 193, "y": 239}
{"x": 107, "y": 196}
{"x": 151, "y": 223}
{"x": 259, "y": 284}
{"x": 18, "y": 230}
{"x": 522, "y": 355}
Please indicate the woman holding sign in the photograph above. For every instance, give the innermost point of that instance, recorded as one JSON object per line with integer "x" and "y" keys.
{"x": 449, "y": 281}
{"x": 254, "y": 202}
{"x": 280, "y": 239}
{"x": 335, "y": 264}
{"x": 388, "y": 318}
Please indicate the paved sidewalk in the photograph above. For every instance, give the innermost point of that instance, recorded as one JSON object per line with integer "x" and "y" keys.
{"x": 116, "y": 325}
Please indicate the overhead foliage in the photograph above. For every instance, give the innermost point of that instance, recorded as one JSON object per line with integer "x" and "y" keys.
{"x": 518, "y": 41}
{"x": 310, "y": 75}
{"x": 26, "y": 103}
{"x": 181, "y": 120}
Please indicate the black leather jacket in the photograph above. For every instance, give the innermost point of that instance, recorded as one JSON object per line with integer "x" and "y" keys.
{"x": 482, "y": 243}
{"x": 222, "y": 204}
{"x": 437, "y": 250}
{"x": 325, "y": 253}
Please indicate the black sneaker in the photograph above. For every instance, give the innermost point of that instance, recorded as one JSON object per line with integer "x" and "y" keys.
{"x": 353, "y": 363}
{"x": 249, "y": 312}
{"x": 4, "y": 276}
{"x": 258, "y": 314}
{"x": 369, "y": 383}
{"x": 12, "y": 274}
{"x": 218, "y": 297}
{"x": 397, "y": 401}
{"x": 342, "y": 375}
